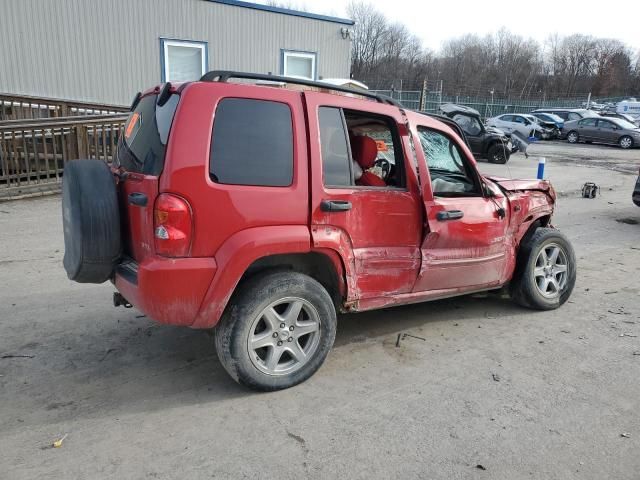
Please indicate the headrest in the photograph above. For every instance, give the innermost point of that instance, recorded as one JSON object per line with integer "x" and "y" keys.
{"x": 365, "y": 151}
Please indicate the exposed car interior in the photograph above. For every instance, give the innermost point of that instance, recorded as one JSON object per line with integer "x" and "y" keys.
{"x": 375, "y": 150}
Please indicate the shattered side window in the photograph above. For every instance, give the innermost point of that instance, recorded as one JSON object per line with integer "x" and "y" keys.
{"x": 449, "y": 175}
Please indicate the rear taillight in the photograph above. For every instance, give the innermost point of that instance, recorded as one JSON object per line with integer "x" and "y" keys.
{"x": 172, "y": 226}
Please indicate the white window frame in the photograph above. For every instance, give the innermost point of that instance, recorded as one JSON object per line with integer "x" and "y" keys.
{"x": 167, "y": 42}
{"x": 293, "y": 53}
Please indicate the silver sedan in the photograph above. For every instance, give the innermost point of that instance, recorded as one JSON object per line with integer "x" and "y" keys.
{"x": 613, "y": 131}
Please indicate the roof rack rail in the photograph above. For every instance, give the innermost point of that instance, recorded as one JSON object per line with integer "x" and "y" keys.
{"x": 224, "y": 75}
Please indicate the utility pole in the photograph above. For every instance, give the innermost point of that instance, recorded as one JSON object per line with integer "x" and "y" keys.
{"x": 440, "y": 95}
{"x": 423, "y": 96}
{"x": 492, "y": 91}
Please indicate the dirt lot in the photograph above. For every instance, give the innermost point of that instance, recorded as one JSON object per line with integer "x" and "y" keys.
{"x": 523, "y": 394}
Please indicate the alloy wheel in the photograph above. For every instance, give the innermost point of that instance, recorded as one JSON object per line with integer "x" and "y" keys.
{"x": 626, "y": 142}
{"x": 284, "y": 336}
{"x": 550, "y": 271}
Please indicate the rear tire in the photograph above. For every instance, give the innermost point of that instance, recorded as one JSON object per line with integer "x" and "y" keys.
{"x": 545, "y": 272}
{"x": 625, "y": 142}
{"x": 498, "y": 153}
{"x": 276, "y": 331}
{"x": 573, "y": 137}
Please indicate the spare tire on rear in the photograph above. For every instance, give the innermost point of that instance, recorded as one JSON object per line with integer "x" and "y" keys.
{"x": 91, "y": 221}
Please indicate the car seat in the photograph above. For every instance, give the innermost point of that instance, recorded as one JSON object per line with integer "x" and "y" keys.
{"x": 365, "y": 153}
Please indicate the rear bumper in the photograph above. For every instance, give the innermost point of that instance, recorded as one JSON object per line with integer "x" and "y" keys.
{"x": 169, "y": 290}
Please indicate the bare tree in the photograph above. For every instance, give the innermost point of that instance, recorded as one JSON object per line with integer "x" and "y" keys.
{"x": 386, "y": 54}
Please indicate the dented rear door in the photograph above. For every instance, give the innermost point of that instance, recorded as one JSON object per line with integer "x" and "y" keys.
{"x": 376, "y": 230}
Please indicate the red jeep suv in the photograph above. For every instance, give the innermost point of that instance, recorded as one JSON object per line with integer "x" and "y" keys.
{"x": 262, "y": 209}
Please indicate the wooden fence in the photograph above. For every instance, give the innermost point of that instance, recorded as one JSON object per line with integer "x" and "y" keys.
{"x": 20, "y": 107}
{"x": 33, "y": 152}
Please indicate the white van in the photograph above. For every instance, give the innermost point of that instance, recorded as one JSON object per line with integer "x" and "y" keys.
{"x": 629, "y": 107}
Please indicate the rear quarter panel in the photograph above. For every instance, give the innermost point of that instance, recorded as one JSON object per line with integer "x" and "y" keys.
{"x": 221, "y": 211}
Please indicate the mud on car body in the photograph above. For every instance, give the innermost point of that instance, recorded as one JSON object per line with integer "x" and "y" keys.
{"x": 261, "y": 212}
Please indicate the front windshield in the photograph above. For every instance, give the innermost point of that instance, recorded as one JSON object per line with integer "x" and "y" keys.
{"x": 469, "y": 125}
{"x": 589, "y": 113}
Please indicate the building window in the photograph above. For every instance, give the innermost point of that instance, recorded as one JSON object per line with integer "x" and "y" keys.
{"x": 183, "y": 61}
{"x": 299, "y": 64}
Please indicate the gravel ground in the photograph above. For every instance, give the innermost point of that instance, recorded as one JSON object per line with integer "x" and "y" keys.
{"x": 493, "y": 391}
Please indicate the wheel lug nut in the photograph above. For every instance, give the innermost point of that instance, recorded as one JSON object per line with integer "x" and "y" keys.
{"x": 279, "y": 343}
{"x": 290, "y": 339}
{"x": 275, "y": 334}
{"x": 291, "y": 328}
{"x": 282, "y": 325}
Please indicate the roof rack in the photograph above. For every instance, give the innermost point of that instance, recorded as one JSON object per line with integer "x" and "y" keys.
{"x": 224, "y": 75}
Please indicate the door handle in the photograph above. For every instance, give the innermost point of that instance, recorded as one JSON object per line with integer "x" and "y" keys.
{"x": 335, "y": 205}
{"x": 139, "y": 199}
{"x": 449, "y": 215}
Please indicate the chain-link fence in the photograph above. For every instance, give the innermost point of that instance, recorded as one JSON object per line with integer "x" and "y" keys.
{"x": 487, "y": 106}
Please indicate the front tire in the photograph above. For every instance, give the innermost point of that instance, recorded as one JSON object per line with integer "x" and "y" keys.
{"x": 573, "y": 137}
{"x": 625, "y": 142}
{"x": 545, "y": 272}
{"x": 276, "y": 331}
{"x": 498, "y": 153}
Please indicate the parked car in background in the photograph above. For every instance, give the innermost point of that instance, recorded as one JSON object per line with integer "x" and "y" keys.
{"x": 188, "y": 221}
{"x": 629, "y": 107}
{"x": 550, "y": 117}
{"x": 622, "y": 116}
{"x": 516, "y": 122}
{"x": 594, "y": 106}
{"x": 568, "y": 114}
{"x": 613, "y": 131}
{"x": 549, "y": 128}
{"x": 485, "y": 142}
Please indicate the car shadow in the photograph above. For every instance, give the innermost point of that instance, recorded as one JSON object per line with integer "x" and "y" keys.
{"x": 123, "y": 364}
{"x": 358, "y": 327}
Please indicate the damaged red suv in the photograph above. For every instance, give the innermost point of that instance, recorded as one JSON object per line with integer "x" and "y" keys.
{"x": 262, "y": 211}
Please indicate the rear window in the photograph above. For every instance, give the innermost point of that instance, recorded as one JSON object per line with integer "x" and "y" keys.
{"x": 141, "y": 148}
{"x": 252, "y": 143}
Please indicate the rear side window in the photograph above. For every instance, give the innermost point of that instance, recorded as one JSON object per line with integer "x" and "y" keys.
{"x": 335, "y": 153}
{"x": 141, "y": 148}
{"x": 252, "y": 143}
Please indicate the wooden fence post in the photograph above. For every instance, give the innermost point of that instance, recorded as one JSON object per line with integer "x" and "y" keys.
{"x": 82, "y": 141}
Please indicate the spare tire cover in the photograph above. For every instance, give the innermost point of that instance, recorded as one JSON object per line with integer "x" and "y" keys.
{"x": 91, "y": 221}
